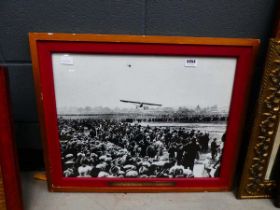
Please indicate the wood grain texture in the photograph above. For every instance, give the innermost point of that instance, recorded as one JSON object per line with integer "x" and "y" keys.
{"x": 2, "y": 193}
{"x": 33, "y": 37}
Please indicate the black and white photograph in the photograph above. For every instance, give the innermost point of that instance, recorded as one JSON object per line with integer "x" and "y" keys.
{"x": 142, "y": 116}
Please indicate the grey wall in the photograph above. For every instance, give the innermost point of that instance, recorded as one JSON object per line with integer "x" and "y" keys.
{"x": 216, "y": 18}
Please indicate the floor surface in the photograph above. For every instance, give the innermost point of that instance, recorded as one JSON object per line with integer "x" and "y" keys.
{"x": 36, "y": 197}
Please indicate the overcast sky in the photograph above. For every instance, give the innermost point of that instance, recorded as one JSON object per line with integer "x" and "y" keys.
{"x": 102, "y": 80}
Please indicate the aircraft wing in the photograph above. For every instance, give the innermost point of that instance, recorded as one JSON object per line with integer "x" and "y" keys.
{"x": 139, "y": 102}
{"x": 132, "y": 102}
{"x": 151, "y": 104}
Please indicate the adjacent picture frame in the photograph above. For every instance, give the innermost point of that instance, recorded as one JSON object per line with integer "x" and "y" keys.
{"x": 126, "y": 113}
{"x": 10, "y": 189}
{"x": 257, "y": 179}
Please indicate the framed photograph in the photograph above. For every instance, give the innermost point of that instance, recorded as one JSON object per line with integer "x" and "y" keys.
{"x": 259, "y": 172}
{"x": 124, "y": 113}
{"x": 10, "y": 190}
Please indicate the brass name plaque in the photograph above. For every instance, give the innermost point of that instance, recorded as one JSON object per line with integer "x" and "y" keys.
{"x": 142, "y": 184}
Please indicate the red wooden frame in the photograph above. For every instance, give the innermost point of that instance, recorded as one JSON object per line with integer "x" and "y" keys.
{"x": 8, "y": 160}
{"x": 42, "y": 47}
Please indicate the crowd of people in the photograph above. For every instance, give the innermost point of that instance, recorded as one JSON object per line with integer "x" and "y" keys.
{"x": 111, "y": 148}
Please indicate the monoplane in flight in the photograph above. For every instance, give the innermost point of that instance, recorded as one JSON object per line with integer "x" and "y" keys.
{"x": 141, "y": 104}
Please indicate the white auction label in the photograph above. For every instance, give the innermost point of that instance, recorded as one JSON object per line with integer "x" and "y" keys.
{"x": 190, "y": 62}
{"x": 66, "y": 60}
